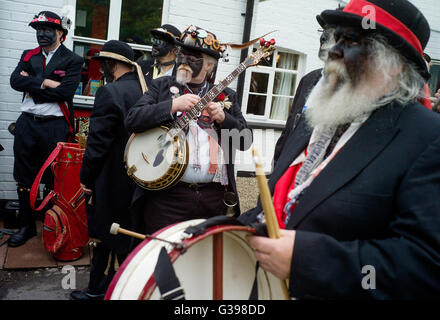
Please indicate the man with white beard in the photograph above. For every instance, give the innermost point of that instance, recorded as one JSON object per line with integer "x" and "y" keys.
{"x": 306, "y": 84}
{"x": 210, "y": 173}
{"x": 357, "y": 186}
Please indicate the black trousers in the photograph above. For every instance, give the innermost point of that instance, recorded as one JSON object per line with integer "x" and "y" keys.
{"x": 34, "y": 140}
{"x": 104, "y": 265}
{"x": 182, "y": 202}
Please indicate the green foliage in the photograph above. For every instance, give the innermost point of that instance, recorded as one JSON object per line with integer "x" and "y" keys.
{"x": 138, "y": 17}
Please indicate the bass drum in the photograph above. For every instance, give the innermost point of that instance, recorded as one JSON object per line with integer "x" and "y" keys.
{"x": 194, "y": 267}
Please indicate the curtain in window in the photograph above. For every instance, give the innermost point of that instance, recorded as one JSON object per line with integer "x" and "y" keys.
{"x": 280, "y": 107}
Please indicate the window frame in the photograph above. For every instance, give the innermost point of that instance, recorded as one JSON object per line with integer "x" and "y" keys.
{"x": 264, "y": 120}
{"x": 113, "y": 30}
{"x": 435, "y": 62}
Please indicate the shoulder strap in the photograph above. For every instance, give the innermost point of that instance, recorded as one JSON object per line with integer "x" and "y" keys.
{"x": 66, "y": 112}
{"x": 36, "y": 184}
{"x": 166, "y": 279}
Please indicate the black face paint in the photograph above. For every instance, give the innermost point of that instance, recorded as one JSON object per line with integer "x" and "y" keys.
{"x": 352, "y": 49}
{"x": 46, "y": 36}
{"x": 160, "y": 48}
{"x": 107, "y": 70}
{"x": 192, "y": 59}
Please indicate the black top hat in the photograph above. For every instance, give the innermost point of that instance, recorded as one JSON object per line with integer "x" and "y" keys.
{"x": 116, "y": 50}
{"x": 200, "y": 40}
{"x": 321, "y": 21}
{"x": 51, "y": 19}
{"x": 166, "y": 32}
{"x": 399, "y": 21}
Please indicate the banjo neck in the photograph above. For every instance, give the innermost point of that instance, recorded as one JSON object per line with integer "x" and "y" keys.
{"x": 193, "y": 114}
{"x": 265, "y": 50}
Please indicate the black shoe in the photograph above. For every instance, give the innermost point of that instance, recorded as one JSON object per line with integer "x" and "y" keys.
{"x": 85, "y": 295}
{"x": 21, "y": 236}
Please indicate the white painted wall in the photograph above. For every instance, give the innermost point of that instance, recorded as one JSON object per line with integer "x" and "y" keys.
{"x": 431, "y": 11}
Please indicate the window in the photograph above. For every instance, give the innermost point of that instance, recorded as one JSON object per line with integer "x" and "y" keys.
{"x": 270, "y": 88}
{"x": 434, "y": 82}
{"x": 98, "y": 21}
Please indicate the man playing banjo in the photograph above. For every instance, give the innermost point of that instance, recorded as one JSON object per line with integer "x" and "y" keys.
{"x": 209, "y": 175}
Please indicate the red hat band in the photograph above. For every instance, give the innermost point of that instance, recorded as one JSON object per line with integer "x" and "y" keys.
{"x": 384, "y": 18}
{"x": 43, "y": 18}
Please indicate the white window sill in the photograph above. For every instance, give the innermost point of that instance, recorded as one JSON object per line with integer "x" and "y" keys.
{"x": 260, "y": 122}
{"x": 83, "y": 101}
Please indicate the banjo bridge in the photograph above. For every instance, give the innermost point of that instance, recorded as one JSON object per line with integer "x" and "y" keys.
{"x": 145, "y": 158}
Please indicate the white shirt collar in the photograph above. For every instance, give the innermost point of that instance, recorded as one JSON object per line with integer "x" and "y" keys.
{"x": 51, "y": 53}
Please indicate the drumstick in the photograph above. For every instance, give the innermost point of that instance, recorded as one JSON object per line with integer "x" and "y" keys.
{"x": 115, "y": 229}
{"x": 269, "y": 212}
{"x": 266, "y": 199}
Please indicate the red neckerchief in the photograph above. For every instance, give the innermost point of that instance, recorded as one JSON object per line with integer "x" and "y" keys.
{"x": 282, "y": 189}
{"x": 425, "y": 99}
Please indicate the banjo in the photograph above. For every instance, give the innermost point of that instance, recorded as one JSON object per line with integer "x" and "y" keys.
{"x": 157, "y": 158}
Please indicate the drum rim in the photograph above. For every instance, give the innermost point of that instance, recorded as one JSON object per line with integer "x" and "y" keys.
{"x": 173, "y": 254}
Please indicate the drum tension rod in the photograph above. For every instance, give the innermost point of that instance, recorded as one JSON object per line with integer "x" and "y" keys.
{"x": 115, "y": 229}
{"x": 178, "y": 245}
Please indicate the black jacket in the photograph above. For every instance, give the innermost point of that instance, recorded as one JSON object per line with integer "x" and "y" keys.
{"x": 103, "y": 168}
{"x": 154, "y": 109}
{"x": 64, "y": 66}
{"x": 377, "y": 203}
{"x": 305, "y": 86}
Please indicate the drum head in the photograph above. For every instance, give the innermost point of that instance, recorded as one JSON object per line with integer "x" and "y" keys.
{"x": 194, "y": 268}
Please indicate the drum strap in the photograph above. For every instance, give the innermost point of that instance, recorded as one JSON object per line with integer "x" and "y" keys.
{"x": 254, "y": 291}
{"x": 166, "y": 279}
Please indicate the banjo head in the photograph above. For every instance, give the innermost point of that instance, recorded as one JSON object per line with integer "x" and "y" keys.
{"x": 194, "y": 268}
{"x": 154, "y": 160}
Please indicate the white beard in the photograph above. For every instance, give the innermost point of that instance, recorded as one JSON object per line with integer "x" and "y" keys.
{"x": 184, "y": 74}
{"x": 334, "y": 100}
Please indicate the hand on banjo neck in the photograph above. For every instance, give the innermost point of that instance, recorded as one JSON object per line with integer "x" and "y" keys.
{"x": 193, "y": 105}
